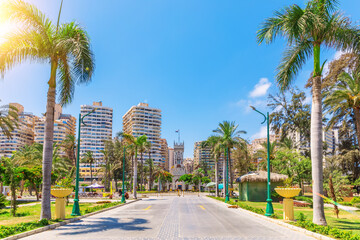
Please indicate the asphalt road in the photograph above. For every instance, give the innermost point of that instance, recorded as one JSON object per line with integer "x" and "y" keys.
{"x": 188, "y": 217}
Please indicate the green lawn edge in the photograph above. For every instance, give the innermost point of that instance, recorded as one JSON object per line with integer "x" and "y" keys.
{"x": 301, "y": 222}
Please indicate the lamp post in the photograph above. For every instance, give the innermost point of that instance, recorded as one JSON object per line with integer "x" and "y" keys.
{"x": 76, "y": 206}
{"x": 123, "y": 179}
{"x": 269, "y": 206}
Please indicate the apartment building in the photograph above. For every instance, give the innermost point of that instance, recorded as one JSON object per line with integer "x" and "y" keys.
{"x": 189, "y": 165}
{"x": 97, "y": 128}
{"x": 22, "y": 135}
{"x": 164, "y": 151}
{"x": 64, "y": 124}
{"x": 143, "y": 120}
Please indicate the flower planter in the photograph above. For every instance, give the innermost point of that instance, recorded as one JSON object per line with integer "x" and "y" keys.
{"x": 60, "y": 202}
{"x": 288, "y": 203}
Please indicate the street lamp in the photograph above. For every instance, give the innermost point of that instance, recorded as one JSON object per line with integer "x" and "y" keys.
{"x": 269, "y": 206}
{"x": 76, "y": 206}
{"x": 123, "y": 180}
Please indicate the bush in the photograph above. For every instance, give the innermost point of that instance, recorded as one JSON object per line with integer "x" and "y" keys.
{"x": 3, "y": 201}
{"x": 305, "y": 199}
{"x": 325, "y": 230}
{"x": 355, "y": 200}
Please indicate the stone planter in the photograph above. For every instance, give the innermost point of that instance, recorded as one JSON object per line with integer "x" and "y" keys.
{"x": 288, "y": 203}
{"x": 60, "y": 202}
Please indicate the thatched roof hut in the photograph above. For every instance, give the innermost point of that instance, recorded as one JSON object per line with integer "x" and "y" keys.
{"x": 261, "y": 176}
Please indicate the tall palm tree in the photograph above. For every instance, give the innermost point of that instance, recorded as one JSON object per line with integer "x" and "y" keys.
{"x": 262, "y": 153}
{"x": 137, "y": 142}
{"x": 8, "y": 119}
{"x": 214, "y": 142}
{"x": 197, "y": 177}
{"x": 89, "y": 159}
{"x": 69, "y": 145}
{"x": 343, "y": 100}
{"x": 307, "y": 31}
{"x": 143, "y": 145}
{"x": 230, "y": 137}
{"x": 66, "y": 47}
{"x": 150, "y": 163}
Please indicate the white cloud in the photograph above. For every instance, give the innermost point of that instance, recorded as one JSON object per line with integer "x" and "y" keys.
{"x": 245, "y": 104}
{"x": 261, "y": 134}
{"x": 260, "y": 88}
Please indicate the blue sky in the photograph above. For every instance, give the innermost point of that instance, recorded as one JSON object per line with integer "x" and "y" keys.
{"x": 196, "y": 60}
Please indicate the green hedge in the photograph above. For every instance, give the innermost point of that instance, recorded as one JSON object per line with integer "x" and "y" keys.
{"x": 97, "y": 208}
{"x": 325, "y": 230}
{"x": 6, "y": 231}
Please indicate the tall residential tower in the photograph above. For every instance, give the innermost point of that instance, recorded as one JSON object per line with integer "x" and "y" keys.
{"x": 144, "y": 120}
{"x": 96, "y": 129}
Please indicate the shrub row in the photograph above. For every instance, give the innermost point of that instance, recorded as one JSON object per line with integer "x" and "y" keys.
{"x": 97, "y": 208}
{"x": 6, "y": 231}
{"x": 325, "y": 230}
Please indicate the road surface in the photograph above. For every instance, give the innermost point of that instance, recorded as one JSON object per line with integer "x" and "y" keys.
{"x": 171, "y": 217}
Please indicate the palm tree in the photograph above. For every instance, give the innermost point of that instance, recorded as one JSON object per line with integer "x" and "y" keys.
{"x": 214, "y": 142}
{"x": 66, "y": 47}
{"x": 343, "y": 100}
{"x": 89, "y": 159}
{"x": 150, "y": 163}
{"x": 8, "y": 119}
{"x": 143, "y": 145}
{"x": 230, "y": 137}
{"x": 161, "y": 175}
{"x": 137, "y": 142}
{"x": 306, "y": 31}
{"x": 262, "y": 153}
{"x": 69, "y": 144}
{"x": 197, "y": 177}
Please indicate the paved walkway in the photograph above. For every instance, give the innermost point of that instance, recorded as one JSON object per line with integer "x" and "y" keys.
{"x": 188, "y": 217}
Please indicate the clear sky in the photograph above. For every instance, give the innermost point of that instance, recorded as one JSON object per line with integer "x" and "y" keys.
{"x": 196, "y": 60}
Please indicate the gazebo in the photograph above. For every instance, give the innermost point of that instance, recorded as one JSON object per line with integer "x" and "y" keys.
{"x": 252, "y": 186}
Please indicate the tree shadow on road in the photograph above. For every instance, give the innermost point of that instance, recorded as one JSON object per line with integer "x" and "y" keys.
{"x": 103, "y": 224}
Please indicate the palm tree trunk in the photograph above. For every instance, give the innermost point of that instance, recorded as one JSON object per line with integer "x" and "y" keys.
{"x": 142, "y": 171}
{"x": 316, "y": 142}
{"x": 135, "y": 175}
{"x": 357, "y": 123}
{"x": 91, "y": 175}
{"x": 216, "y": 178}
{"x": 230, "y": 169}
{"x": 48, "y": 144}
{"x": 224, "y": 175}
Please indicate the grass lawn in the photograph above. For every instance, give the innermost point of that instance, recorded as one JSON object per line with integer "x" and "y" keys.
{"x": 32, "y": 213}
{"x": 346, "y": 220}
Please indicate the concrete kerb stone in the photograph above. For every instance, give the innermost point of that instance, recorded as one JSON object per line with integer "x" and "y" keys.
{"x": 55, "y": 225}
{"x": 279, "y": 222}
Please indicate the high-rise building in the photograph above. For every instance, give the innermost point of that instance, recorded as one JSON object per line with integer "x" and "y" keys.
{"x": 202, "y": 156}
{"x": 189, "y": 165}
{"x": 22, "y": 135}
{"x": 144, "y": 120}
{"x": 64, "y": 124}
{"x": 164, "y": 154}
{"x": 331, "y": 139}
{"x": 97, "y": 128}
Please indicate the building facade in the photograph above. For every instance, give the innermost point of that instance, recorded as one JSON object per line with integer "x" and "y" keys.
{"x": 143, "y": 120}
{"x": 164, "y": 154}
{"x": 97, "y": 129}
{"x": 64, "y": 124}
{"x": 189, "y": 165}
{"x": 22, "y": 135}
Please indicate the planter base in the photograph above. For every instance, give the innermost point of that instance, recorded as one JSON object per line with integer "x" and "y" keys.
{"x": 288, "y": 209}
{"x": 60, "y": 208}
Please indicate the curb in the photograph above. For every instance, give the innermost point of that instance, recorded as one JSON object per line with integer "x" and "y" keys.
{"x": 71, "y": 220}
{"x": 284, "y": 224}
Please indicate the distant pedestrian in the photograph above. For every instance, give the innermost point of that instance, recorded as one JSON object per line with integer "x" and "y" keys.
{"x": 120, "y": 192}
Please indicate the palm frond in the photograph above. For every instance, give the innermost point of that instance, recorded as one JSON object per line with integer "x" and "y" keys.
{"x": 293, "y": 60}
